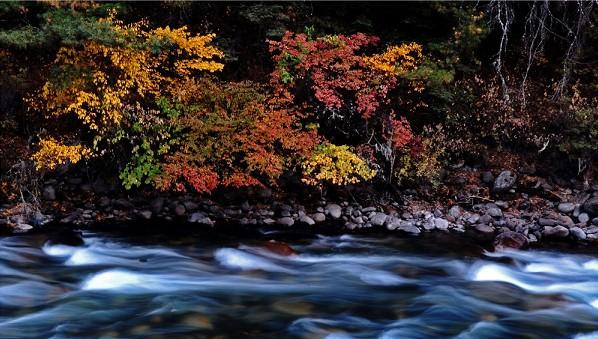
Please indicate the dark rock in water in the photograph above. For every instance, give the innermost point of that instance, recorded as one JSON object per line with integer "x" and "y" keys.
{"x": 509, "y": 239}
{"x": 67, "y": 237}
{"x": 504, "y": 181}
{"x": 566, "y": 207}
{"x": 487, "y": 177}
{"x": 591, "y": 206}
{"x": 556, "y": 231}
{"x": 279, "y": 248}
{"x": 49, "y": 193}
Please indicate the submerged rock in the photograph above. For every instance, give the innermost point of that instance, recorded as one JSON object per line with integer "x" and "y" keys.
{"x": 509, "y": 239}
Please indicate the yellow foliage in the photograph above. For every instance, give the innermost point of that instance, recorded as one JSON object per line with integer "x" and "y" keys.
{"x": 52, "y": 154}
{"x": 397, "y": 60}
{"x": 337, "y": 165}
{"x": 102, "y": 78}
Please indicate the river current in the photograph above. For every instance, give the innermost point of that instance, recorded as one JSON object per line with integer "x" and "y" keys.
{"x": 335, "y": 286}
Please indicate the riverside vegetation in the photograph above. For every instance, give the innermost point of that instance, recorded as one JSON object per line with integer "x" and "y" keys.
{"x": 444, "y": 116}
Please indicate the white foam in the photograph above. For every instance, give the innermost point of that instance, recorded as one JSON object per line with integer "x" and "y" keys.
{"x": 381, "y": 278}
{"x": 58, "y": 250}
{"x": 493, "y": 272}
{"x": 113, "y": 279}
{"x": 237, "y": 259}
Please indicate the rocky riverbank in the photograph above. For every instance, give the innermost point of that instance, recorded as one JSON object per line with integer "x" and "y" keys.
{"x": 518, "y": 210}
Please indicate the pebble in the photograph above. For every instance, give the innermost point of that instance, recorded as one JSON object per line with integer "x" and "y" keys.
{"x": 504, "y": 181}
{"x": 546, "y": 222}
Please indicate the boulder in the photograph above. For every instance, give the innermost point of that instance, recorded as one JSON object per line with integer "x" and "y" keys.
{"x": 504, "y": 181}
{"x": 408, "y": 227}
{"x": 334, "y": 210}
{"x": 307, "y": 220}
{"x": 455, "y": 211}
{"x": 378, "y": 219}
{"x": 145, "y": 214}
{"x": 318, "y": 217}
{"x": 510, "y": 239}
{"x": 441, "y": 224}
{"x": 555, "y": 232}
{"x": 578, "y": 233}
{"x": 285, "y": 221}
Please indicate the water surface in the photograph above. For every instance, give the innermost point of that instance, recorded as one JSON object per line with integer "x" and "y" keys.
{"x": 340, "y": 286}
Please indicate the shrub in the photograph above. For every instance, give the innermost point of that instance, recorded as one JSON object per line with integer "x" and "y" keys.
{"x": 336, "y": 165}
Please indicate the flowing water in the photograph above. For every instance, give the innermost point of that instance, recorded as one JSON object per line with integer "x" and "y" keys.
{"x": 340, "y": 286}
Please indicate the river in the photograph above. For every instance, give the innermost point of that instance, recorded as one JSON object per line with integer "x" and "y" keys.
{"x": 335, "y": 286}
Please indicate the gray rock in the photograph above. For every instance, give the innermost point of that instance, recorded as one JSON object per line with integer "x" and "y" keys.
{"x": 583, "y": 218}
{"x": 591, "y": 206}
{"x": 556, "y": 231}
{"x": 485, "y": 219}
{"x": 378, "y": 219}
{"x": 441, "y": 224}
{"x": 392, "y": 223}
{"x": 473, "y": 219}
{"x": 49, "y": 193}
{"x": 285, "y": 221}
{"x": 504, "y": 181}
{"x": 494, "y": 212}
{"x": 269, "y": 221}
{"x": 319, "y": 217}
{"x": 145, "y": 214}
{"x": 22, "y": 228}
{"x": 547, "y": 222}
{"x": 591, "y": 230}
{"x": 595, "y": 221}
{"x": 123, "y": 204}
{"x": 408, "y": 227}
{"x": 334, "y": 210}
{"x": 429, "y": 224}
{"x": 307, "y": 220}
{"x": 265, "y": 193}
{"x": 487, "y": 177}
{"x": 358, "y": 220}
{"x": 483, "y": 228}
{"x": 501, "y": 204}
{"x": 196, "y": 217}
{"x": 566, "y": 207}
{"x": 455, "y": 211}
{"x": 245, "y": 207}
{"x": 368, "y": 209}
{"x": 578, "y": 233}
{"x": 179, "y": 210}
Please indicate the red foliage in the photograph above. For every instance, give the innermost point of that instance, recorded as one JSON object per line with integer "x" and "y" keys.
{"x": 333, "y": 68}
{"x": 401, "y": 134}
